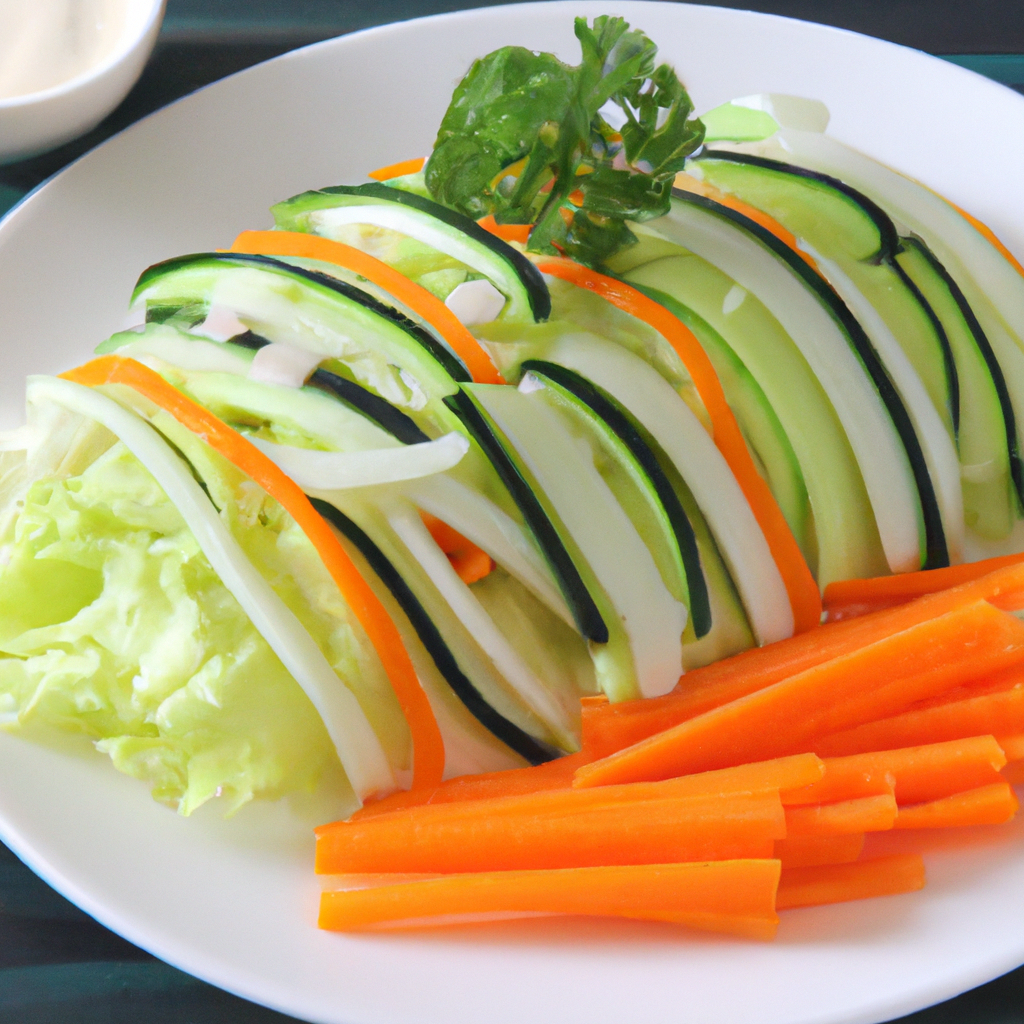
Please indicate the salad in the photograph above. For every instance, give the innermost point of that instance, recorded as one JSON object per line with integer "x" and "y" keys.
{"x": 597, "y": 396}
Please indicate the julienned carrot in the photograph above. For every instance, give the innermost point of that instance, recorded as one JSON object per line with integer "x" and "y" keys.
{"x": 866, "y": 814}
{"x": 610, "y": 727}
{"x": 987, "y": 805}
{"x": 469, "y": 561}
{"x": 881, "y": 679}
{"x": 839, "y": 883}
{"x": 403, "y": 167}
{"x": 1012, "y": 746}
{"x": 846, "y": 599}
{"x": 509, "y": 232}
{"x": 509, "y": 835}
{"x": 972, "y": 716}
{"x": 911, "y": 774}
{"x": 406, "y": 291}
{"x": 428, "y": 745}
{"x": 804, "y": 596}
{"x": 811, "y": 851}
{"x": 734, "y": 896}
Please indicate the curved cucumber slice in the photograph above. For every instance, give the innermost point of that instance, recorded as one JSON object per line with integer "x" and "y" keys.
{"x": 358, "y": 747}
{"x": 452, "y": 233}
{"x": 533, "y": 750}
{"x": 661, "y": 517}
{"x": 887, "y": 452}
{"x": 647, "y": 625}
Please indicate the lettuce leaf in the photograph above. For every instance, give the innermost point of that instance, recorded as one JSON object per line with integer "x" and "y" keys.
{"x": 113, "y": 624}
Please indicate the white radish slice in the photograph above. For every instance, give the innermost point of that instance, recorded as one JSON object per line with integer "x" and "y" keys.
{"x": 475, "y": 302}
{"x": 564, "y": 470}
{"x": 937, "y": 446}
{"x": 407, "y": 524}
{"x": 654, "y": 403}
{"x": 876, "y": 445}
{"x": 481, "y": 521}
{"x": 336, "y": 471}
{"x": 358, "y": 747}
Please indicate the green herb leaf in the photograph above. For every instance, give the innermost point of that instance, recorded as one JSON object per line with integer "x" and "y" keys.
{"x": 526, "y": 138}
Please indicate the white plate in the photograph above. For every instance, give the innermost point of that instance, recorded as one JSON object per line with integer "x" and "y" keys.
{"x": 234, "y": 902}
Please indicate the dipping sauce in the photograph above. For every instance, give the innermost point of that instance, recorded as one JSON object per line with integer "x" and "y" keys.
{"x": 46, "y": 42}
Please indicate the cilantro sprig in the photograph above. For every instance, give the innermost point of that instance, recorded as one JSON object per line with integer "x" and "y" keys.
{"x": 528, "y": 139}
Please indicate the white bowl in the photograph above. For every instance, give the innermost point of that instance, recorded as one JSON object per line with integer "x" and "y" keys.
{"x": 39, "y": 121}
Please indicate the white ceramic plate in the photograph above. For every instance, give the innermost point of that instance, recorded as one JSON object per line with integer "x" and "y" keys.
{"x": 235, "y": 902}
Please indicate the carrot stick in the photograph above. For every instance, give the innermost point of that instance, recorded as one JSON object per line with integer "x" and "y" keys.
{"x": 846, "y": 599}
{"x": 973, "y": 716}
{"x": 428, "y": 745}
{"x": 912, "y": 774}
{"x": 509, "y": 232}
{"x": 398, "y": 170}
{"x": 839, "y": 883}
{"x": 811, "y": 851}
{"x": 804, "y": 596}
{"x": 469, "y": 561}
{"x": 919, "y": 662}
{"x": 736, "y": 897}
{"x": 866, "y": 814}
{"x": 527, "y": 833}
{"x": 1012, "y": 746}
{"x": 987, "y": 805}
{"x": 610, "y": 727}
{"x": 406, "y": 291}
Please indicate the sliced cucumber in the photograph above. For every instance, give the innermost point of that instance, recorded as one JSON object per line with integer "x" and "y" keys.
{"x": 323, "y": 211}
{"x": 646, "y": 628}
{"x": 843, "y": 360}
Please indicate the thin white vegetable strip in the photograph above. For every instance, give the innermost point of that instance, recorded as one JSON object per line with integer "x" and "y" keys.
{"x": 358, "y": 748}
{"x": 479, "y": 520}
{"x": 639, "y": 388}
{"x": 624, "y": 567}
{"x": 407, "y": 524}
{"x": 876, "y": 445}
{"x": 342, "y": 470}
{"x": 936, "y": 444}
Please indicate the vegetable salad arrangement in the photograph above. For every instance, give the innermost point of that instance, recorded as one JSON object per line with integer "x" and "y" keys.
{"x": 508, "y": 485}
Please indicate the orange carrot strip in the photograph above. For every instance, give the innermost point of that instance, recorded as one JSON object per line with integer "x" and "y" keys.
{"x": 428, "y": 745}
{"x": 791, "y": 773}
{"x": 866, "y": 814}
{"x": 406, "y": 291}
{"x": 1013, "y": 773}
{"x": 523, "y": 833}
{"x": 509, "y": 232}
{"x": 919, "y": 662}
{"x": 973, "y": 716}
{"x": 846, "y": 599}
{"x": 736, "y": 897}
{"x": 804, "y": 596}
{"x": 398, "y": 170}
{"x": 839, "y": 883}
{"x": 703, "y": 188}
{"x": 912, "y": 774}
{"x": 469, "y": 561}
{"x": 609, "y": 727}
{"x": 1012, "y": 746}
{"x": 987, "y": 805}
{"x": 811, "y": 851}
{"x": 990, "y": 236}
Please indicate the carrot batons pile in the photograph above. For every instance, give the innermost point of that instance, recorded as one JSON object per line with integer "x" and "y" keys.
{"x": 746, "y": 791}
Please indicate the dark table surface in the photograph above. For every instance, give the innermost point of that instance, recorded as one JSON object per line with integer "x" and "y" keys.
{"x": 56, "y": 963}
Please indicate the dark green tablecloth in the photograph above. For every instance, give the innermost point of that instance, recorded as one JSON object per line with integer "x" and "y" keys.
{"x": 57, "y": 965}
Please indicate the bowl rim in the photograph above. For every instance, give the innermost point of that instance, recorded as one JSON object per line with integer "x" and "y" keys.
{"x": 128, "y": 44}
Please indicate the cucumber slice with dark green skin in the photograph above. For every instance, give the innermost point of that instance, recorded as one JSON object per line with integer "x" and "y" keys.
{"x": 842, "y": 223}
{"x": 533, "y": 750}
{"x": 843, "y": 532}
{"x": 585, "y": 613}
{"x": 161, "y": 278}
{"x": 935, "y": 552}
{"x": 758, "y": 422}
{"x": 445, "y": 230}
{"x": 618, "y": 421}
{"x": 988, "y": 429}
